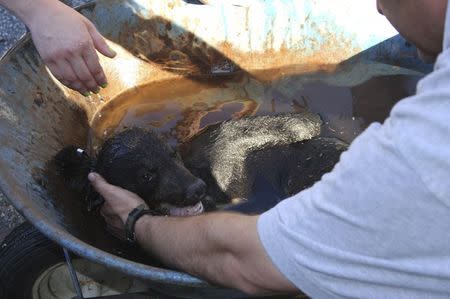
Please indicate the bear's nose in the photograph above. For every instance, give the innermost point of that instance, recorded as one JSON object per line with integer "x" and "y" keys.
{"x": 196, "y": 191}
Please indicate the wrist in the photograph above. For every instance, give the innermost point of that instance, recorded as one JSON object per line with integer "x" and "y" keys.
{"x": 130, "y": 223}
{"x": 31, "y": 10}
{"x": 142, "y": 228}
{"x": 125, "y": 210}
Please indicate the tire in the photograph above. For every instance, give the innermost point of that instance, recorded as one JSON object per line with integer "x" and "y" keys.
{"x": 32, "y": 266}
{"x": 24, "y": 255}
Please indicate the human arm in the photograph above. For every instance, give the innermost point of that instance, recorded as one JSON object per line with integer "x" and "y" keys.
{"x": 66, "y": 41}
{"x": 223, "y": 248}
{"x": 219, "y": 247}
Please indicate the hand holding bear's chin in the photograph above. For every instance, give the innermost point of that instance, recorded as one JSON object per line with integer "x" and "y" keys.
{"x": 118, "y": 204}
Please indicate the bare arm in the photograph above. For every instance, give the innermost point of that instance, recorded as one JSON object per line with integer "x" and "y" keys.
{"x": 66, "y": 41}
{"x": 222, "y": 248}
{"x": 219, "y": 247}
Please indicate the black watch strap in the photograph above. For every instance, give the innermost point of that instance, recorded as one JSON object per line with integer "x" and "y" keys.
{"x": 134, "y": 215}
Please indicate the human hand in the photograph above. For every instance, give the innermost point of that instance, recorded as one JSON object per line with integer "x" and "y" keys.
{"x": 118, "y": 204}
{"x": 67, "y": 43}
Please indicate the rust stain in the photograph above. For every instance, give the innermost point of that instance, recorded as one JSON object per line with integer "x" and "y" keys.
{"x": 328, "y": 56}
{"x": 181, "y": 52}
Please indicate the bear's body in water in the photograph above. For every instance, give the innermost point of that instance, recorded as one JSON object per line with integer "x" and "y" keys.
{"x": 263, "y": 159}
{"x": 232, "y": 158}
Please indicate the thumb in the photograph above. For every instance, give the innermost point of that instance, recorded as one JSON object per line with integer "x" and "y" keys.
{"x": 99, "y": 183}
{"x": 99, "y": 42}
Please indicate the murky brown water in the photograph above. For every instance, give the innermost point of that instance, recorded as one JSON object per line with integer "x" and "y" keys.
{"x": 180, "y": 109}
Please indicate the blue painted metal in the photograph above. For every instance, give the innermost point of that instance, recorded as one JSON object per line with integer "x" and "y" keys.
{"x": 38, "y": 116}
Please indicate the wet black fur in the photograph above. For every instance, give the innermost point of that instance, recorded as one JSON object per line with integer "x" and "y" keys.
{"x": 268, "y": 171}
{"x": 137, "y": 160}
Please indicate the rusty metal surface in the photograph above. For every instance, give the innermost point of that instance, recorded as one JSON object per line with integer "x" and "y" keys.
{"x": 11, "y": 31}
{"x": 156, "y": 41}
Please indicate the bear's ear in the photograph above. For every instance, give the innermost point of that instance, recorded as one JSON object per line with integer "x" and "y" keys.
{"x": 73, "y": 164}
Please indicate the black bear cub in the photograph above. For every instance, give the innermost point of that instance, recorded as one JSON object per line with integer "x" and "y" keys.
{"x": 140, "y": 161}
{"x": 259, "y": 160}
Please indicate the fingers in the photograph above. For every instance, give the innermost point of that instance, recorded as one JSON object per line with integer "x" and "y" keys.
{"x": 99, "y": 42}
{"x": 75, "y": 73}
{"x": 76, "y": 63}
{"x": 69, "y": 78}
{"x": 112, "y": 194}
{"x": 64, "y": 73}
{"x": 118, "y": 201}
{"x": 83, "y": 74}
{"x": 92, "y": 62}
{"x": 100, "y": 185}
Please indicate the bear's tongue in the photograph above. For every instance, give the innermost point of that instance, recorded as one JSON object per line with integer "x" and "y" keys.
{"x": 186, "y": 211}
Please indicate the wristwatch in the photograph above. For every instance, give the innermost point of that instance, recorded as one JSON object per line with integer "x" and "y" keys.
{"x": 134, "y": 215}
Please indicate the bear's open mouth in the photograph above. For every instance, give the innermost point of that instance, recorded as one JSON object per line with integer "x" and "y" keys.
{"x": 184, "y": 211}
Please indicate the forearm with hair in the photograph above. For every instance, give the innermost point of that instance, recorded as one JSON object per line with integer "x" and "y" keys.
{"x": 222, "y": 248}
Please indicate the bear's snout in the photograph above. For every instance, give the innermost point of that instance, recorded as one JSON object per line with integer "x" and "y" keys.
{"x": 195, "y": 192}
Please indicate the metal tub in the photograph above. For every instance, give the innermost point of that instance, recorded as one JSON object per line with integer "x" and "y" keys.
{"x": 38, "y": 116}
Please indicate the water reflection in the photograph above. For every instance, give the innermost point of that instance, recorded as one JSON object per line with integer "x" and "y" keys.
{"x": 180, "y": 109}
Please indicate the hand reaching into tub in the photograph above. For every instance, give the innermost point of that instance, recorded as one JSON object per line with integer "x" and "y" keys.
{"x": 66, "y": 41}
{"x": 223, "y": 248}
{"x": 118, "y": 204}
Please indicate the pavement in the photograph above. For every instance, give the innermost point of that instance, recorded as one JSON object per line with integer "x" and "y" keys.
{"x": 11, "y": 29}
